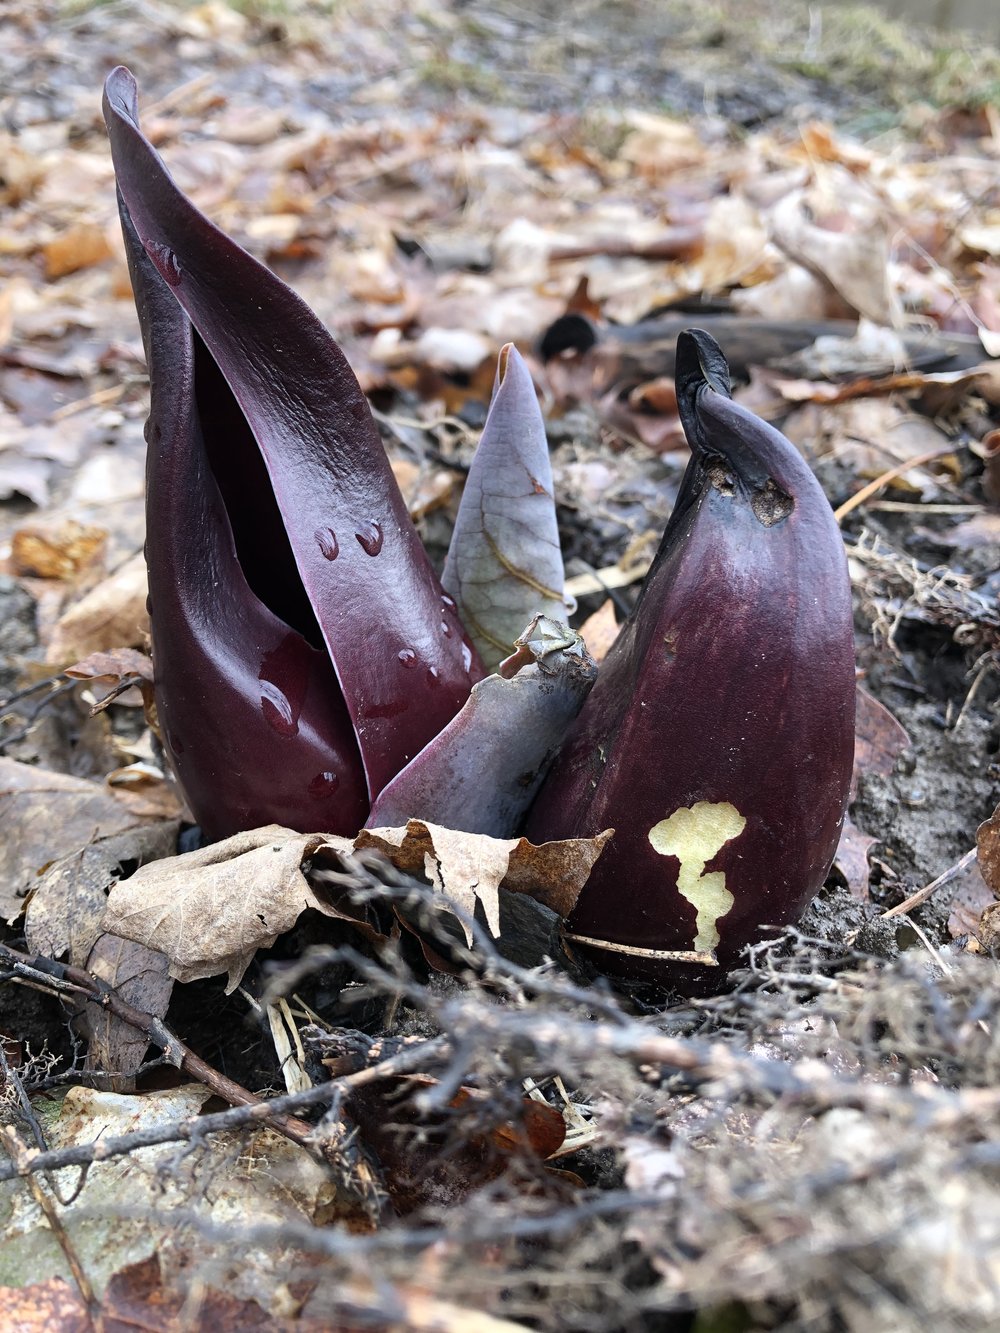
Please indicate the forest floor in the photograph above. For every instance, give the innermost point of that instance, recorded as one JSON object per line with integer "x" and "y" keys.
{"x": 814, "y": 1149}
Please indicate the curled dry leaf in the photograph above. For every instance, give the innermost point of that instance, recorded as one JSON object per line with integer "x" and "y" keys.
{"x": 852, "y": 858}
{"x": 851, "y": 253}
{"x": 61, "y": 550}
{"x": 878, "y": 738}
{"x": 114, "y": 674}
{"x": 600, "y": 630}
{"x": 210, "y": 910}
{"x": 141, "y": 977}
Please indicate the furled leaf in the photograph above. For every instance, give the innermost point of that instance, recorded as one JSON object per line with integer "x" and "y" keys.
{"x": 397, "y": 647}
{"x": 505, "y": 564}
{"x": 481, "y": 773}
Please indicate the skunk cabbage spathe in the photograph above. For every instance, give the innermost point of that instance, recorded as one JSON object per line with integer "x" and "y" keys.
{"x": 304, "y": 650}
{"x": 718, "y": 740}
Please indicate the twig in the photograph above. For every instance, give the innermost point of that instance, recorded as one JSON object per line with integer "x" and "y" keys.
{"x": 65, "y": 979}
{"x": 194, "y": 1128}
{"x": 921, "y": 895}
{"x": 874, "y": 486}
{"x": 20, "y": 1154}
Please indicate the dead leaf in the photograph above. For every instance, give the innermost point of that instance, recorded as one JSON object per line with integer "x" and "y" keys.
{"x": 504, "y": 564}
{"x": 971, "y": 896}
{"x": 470, "y": 867}
{"x": 988, "y": 844}
{"x": 63, "y": 917}
{"x": 600, "y": 630}
{"x": 868, "y": 436}
{"x": 80, "y": 246}
{"x": 852, "y": 859}
{"x": 140, "y": 976}
{"x": 60, "y": 551}
{"x": 428, "y": 1157}
{"x": 115, "y": 665}
{"x": 54, "y": 1306}
{"x": 843, "y": 241}
{"x": 210, "y": 910}
{"x": 879, "y": 739}
{"x": 111, "y": 614}
{"x": 45, "y": 816}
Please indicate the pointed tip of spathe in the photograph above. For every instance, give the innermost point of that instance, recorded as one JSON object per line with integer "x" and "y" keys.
{"x": 121, "y": 93}
{"x": 510, "y": 360}
{"x": 700, "y": 360}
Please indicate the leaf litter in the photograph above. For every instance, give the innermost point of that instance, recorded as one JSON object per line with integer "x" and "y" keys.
{"x": 789, "y": 1155}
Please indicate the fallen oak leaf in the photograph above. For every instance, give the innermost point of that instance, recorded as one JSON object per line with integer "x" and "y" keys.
{"x": 112, "y": 613}
{"x": 140, "y": 976}
{"x": 988, "y": 845}
{"x": 879, "y": 739}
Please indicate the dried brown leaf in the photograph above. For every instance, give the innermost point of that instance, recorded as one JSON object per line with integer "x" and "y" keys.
{"x": 852, "y": 859}
{"x": 45, "y": 816}
{"x": 80, "y": 246}
{"x": 54, "y": 1306}
{"x": 600, "y": 630}
{"x": 111, "y": 614}
{"x": 878, "y": 738}
{"x": 210, "y": 910}
{"x": 469, "y": 868}
{"x": 988, "y": 844}
{"x": 56, "y": 551}
{"x": 141, "y": 977}
{"x": 63, "y": 918}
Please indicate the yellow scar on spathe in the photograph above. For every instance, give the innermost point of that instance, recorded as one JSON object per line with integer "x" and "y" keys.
{"x": 694, "y": 835}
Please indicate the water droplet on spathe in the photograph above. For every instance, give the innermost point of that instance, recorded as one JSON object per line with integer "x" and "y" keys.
{"x": 432, "y": 676}
{"x": 370, "y": 538}
{"x": 446, "y": 629}
{"x": 407, "y": 656}
{"x": 277, "y": 709}
{"x": 326, "y": 540}
{"x": 323, "y": 784}
{"x": 167, "y": 264}
{"x": 466, "y": 657}
{"x": 447, "y": 601}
